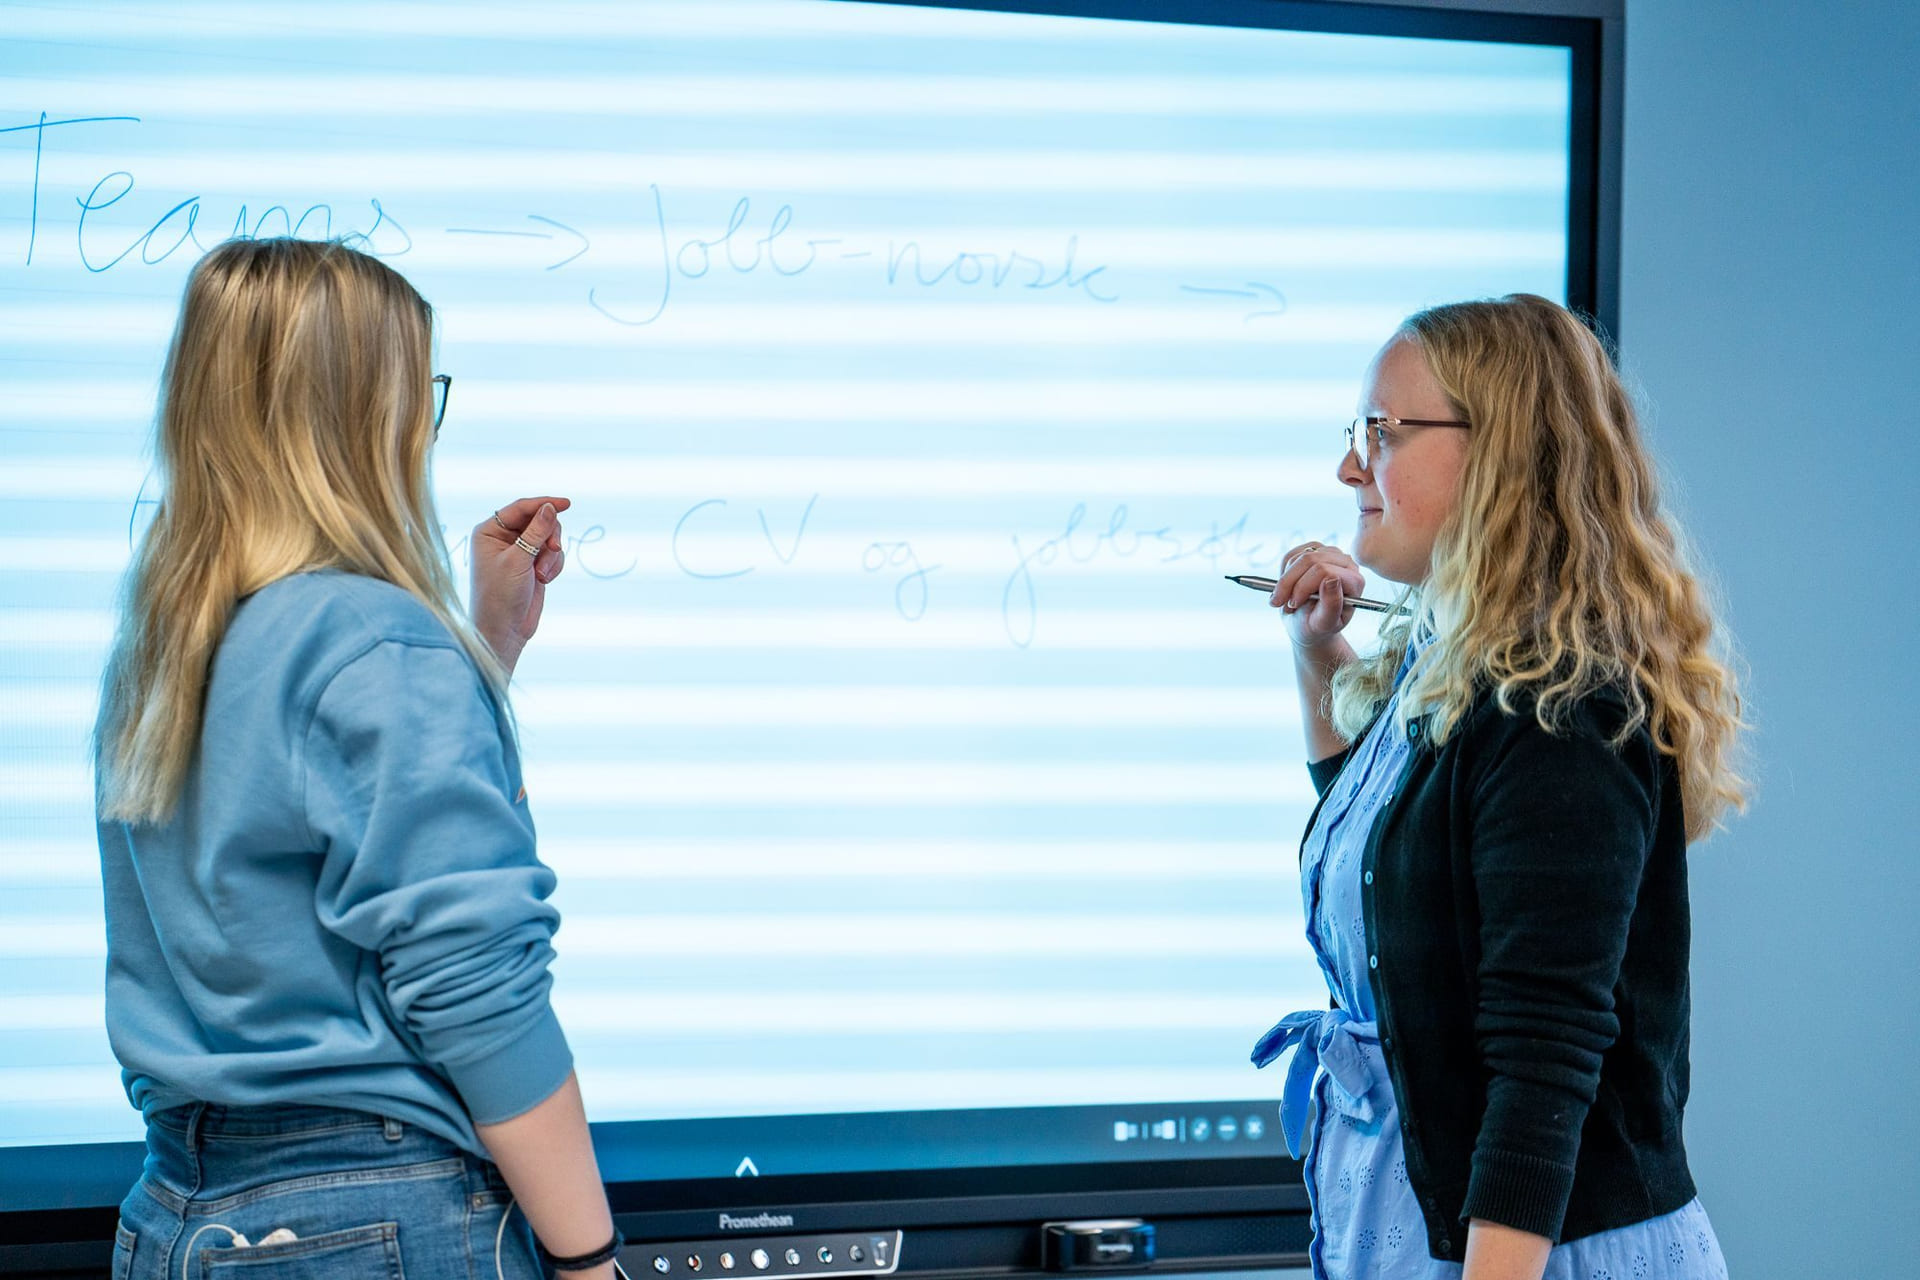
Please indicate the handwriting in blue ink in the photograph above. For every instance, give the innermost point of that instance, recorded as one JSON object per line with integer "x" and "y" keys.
{"x": 741, "y": 247}
{"x": 39, "y": 130}
{"x": 583, "y": 245}
{"x": 910, "y": 592}
{"x": 995, "y": 270}
{"x": 1272, "y": 301}
{"x": 695, "y": 257}
{"x": 180, "y": 222}
{"x": 577, "y": 548}
{"x": 179, "y": 225}
{"x": 1225, "y": 545}
{"x": 703, "y": 518}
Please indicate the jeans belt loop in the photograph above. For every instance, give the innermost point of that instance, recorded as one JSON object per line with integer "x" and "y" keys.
{"x": 195, "y": 1115}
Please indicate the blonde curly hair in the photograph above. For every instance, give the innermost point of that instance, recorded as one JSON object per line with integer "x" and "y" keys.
{"x": 1558, "y": 572}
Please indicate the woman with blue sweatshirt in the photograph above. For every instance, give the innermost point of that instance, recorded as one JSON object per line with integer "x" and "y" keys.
{"x": 328, "y": 931}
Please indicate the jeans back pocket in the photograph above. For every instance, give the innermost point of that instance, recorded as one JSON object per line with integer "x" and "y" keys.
{"x": 371, "y": 1252}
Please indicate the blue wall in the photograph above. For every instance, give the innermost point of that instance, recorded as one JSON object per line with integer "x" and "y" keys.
{"x": 1770, "y": 271}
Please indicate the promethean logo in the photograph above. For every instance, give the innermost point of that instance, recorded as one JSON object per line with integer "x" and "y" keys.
{"x": 758, "y": 1222}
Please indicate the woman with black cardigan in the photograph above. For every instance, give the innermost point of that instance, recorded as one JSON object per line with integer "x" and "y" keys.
{"x": 1494, "y": 879}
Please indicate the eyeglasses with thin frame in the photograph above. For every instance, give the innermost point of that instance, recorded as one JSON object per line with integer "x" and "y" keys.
{"x": 442, "y": 384}
{"x": 1366, "y": 437}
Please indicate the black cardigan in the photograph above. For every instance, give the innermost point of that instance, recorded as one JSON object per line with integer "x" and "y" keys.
{"x": 1525, "y": 897}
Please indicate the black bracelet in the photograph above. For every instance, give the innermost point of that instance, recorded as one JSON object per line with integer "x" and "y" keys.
{"x": 586, "y": 1261}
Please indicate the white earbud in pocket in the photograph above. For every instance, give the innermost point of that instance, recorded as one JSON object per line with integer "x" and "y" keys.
{"x": 279, "y": 1235}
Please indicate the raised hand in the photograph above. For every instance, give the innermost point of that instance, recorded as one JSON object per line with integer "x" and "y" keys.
{"x": 516, "y": 552}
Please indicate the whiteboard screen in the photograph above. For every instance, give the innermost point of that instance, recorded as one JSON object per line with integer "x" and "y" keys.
{"x": 916, "y": 375}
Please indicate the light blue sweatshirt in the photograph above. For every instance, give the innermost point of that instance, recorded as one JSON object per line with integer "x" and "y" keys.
{"x": 346, "y": 908}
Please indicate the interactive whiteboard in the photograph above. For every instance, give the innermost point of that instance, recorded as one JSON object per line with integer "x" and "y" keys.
{"x": 916, "y": 374}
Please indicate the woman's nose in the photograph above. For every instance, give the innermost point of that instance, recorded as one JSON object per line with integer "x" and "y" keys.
{"x": 1351, "y": 470}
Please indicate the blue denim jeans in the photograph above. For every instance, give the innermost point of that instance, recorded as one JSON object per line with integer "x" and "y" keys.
{"x": 362, "y": 1196}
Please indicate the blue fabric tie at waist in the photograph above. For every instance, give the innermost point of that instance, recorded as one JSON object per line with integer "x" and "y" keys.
{"x": 1328, "y": 1038}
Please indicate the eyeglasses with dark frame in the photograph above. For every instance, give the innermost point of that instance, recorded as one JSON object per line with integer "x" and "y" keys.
{"x": 442, "y": 384}
{"x": 1366, "y": 436}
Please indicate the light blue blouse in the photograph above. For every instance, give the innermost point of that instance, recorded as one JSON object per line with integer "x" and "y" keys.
{"x": 1366, "y": 1218}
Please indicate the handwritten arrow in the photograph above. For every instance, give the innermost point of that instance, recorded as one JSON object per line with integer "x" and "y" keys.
{"x": 1255, "y": 291}
{"x": 530, "y": 235}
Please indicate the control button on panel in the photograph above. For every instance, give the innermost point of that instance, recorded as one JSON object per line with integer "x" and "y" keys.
{"x": 812, "y": 1256}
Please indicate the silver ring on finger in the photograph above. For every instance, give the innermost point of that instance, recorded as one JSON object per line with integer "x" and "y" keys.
{"x": 526, "y": 546}
{"x": 502, "y": 523}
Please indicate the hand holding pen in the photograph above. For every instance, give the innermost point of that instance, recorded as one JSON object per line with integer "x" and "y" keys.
{"x": 1318, "y": 589}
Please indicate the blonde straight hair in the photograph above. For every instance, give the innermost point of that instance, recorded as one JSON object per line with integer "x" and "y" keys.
{"x": 294, "y": 433}
{"x": 1558, "y": 572}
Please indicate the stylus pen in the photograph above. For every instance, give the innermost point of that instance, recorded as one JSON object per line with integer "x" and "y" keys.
{"x": 1268, "y": 584}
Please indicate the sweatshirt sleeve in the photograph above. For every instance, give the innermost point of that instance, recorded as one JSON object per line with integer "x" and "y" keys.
{"x": 1561, "y": 831}
{"x": 428, "y": 862}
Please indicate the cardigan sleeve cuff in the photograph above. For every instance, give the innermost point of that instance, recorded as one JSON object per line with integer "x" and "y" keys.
{"x": 1520, "y": 1191}
{"x": 516, "y": 1077}
{"x": 1323, "y": 772}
